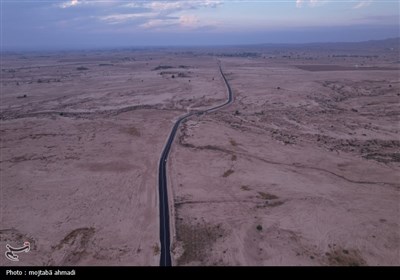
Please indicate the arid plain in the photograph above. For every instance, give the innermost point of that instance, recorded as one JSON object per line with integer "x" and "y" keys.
{"x": 301, "y": 169}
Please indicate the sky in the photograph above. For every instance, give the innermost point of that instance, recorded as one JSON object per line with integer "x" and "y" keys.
{"x": 81, "y": 24}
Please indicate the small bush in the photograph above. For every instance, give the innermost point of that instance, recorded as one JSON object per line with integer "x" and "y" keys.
{"x": 80, "y": 68}
{"x": 233, "y": 142}
{"x": 227, "y": 173}
{"x": 259, "y": 228}
{"x": 162, "y": 67}
{"x": 156, "y": 249}
{"x": 267, "y": 196}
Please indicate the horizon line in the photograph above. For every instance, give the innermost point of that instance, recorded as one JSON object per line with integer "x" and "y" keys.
{"x": 160, "y": 46}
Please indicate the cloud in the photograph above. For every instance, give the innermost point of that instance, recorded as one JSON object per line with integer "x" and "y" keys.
{"x": 363, "y": 4}
{"x": 69, "y": 4}
{"x": 73, "y": 3}
{"x": 311, "y": 3}
{"x": 314, "y": 3}
{"x": 158, "y": 23}
{"x": 299, "y": 3}
{"x": 159, "y": 14}
{"x": 174, "y": 6}
{"x": 120, "y": 18}
{"x": 170, "y": 6}
{"x": 189, "y": 21}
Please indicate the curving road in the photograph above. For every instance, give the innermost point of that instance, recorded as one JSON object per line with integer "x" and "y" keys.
{"x": 165, "y": 259}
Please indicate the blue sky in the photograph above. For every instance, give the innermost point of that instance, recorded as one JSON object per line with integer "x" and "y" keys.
{"x": 65, "y": 24}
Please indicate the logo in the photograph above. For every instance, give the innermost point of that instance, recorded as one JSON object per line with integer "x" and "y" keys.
{"x": 11, "y": 251}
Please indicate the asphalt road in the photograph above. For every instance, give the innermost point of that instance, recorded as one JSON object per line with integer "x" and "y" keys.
{"x": 165, "y": 259}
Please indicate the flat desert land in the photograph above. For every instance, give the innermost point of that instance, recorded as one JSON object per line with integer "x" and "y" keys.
{"x": 81, "y": 136}
{"x": 302, "y": 169}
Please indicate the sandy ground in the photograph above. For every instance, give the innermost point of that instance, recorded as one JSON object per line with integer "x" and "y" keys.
{"x": 80, "y": 150}
{"x": 303, "y": 169}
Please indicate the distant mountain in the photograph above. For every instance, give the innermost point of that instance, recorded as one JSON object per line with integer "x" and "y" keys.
{"x": 392, "y": 44}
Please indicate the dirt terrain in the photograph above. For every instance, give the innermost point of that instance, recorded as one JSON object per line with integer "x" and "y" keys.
{"x": 80, "y": 150}
{"x": 302, "y": 169}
